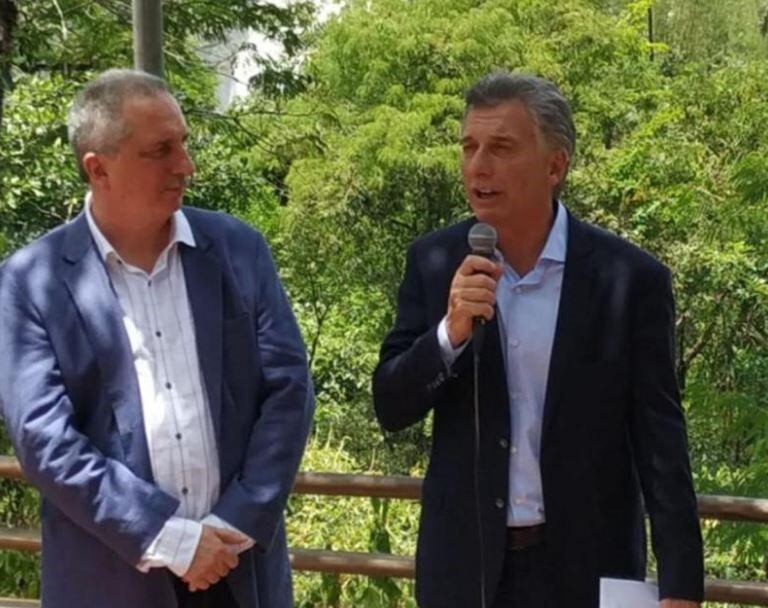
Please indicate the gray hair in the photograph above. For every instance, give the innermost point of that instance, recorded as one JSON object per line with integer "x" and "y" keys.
{"x": 548, "y": 107}
{"x": 95, "y": 122}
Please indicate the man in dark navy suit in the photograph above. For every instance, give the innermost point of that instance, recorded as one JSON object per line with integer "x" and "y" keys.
{"x": 580, "y": 423}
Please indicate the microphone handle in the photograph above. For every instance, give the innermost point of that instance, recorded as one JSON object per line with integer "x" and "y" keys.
{"x": 478, "y": 323}
{"x": 478, "y": 334}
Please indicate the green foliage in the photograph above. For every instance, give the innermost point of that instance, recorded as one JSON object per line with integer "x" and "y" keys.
{"x": 39, "y": 181}
{"x": 19, "y": 506}
{"x": 349, "y": 524}
{"x": 342, "y": 161}
{"x": 711, "y": 31}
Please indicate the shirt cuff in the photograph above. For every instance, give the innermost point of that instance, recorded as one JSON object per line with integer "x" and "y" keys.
{"x": 174, "y": 547}
{"x": 448, "y": 352}
{"x": 216, "y": 522}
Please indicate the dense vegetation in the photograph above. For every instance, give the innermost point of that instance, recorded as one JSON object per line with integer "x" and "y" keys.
{"x": 347, "y": 150}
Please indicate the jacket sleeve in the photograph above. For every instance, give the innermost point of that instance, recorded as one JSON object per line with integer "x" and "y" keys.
{"x": 658, "y": 434}
{"x": 98, "y": 493}
{"x": 411, "y": 376}
{"x": 253, "y": 502}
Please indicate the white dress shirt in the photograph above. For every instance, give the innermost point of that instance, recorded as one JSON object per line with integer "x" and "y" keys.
{"x": 177, "y": 422}
{"x": 527, "y": 308}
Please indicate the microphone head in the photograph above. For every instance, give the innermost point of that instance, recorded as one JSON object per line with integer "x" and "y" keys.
{"x": 482, "y": 239}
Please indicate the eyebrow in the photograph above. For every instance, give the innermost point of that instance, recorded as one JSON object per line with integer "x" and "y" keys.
{"x": 167, "y": 141}
{"x": 493, "y": 138}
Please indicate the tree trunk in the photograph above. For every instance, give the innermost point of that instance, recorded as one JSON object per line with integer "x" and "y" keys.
{"x": 8, "y": 16}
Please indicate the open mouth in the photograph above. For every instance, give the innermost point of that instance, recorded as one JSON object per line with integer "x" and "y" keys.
{"x": 485, "y": 194}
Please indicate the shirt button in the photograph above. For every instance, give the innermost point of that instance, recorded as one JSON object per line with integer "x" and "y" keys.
{"x": 184, "y": 491}
{"x": 518, "y": 501}
{"x": 518, "y": 290}
{"x": 515, "y": 343}
{"x": 149, "y": 283}
{"x": 503, "y": 443}
{"x": 159, "y": 334}
{"x": 499, "y": 503}
{"x": 178, "y": 436}
{"x": 168, "y": 385}
{"x": 514, "y": 449}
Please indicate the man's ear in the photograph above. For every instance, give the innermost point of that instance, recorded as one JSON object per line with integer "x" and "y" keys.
{"x": 558, "y": 166}
{"x": 95, "y": 168}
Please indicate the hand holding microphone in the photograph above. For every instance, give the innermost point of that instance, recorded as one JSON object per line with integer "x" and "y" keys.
{"x": 473, "y": 288}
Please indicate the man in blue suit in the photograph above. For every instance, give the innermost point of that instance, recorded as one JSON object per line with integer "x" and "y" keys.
{"x": 580, "y": 427}
{"x": 152, "y": 377}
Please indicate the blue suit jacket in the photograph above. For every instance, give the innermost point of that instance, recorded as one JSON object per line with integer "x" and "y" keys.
{"x": 70, "y": 399}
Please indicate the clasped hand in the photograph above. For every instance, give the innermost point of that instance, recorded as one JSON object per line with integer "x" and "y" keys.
{"x": 214, "y": 558}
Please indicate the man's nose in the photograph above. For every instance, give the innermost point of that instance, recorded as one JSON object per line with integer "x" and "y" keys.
{"x": 480, "y": 163}
{"x": 185, "y": 165}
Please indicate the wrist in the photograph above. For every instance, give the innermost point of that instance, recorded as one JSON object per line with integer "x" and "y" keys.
{"x": 455, "y": 338}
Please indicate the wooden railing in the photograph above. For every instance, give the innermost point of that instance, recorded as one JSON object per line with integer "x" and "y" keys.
{"x": 722, "y": 508}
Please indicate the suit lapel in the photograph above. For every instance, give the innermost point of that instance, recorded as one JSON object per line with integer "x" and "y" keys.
{"x": 87, "y": 280}
{"x": 203, "y": 275}
{"x": 570, "y": 330}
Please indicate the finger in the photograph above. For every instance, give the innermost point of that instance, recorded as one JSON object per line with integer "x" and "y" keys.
{"x": 474, "y": 295}
{"x": 229, "y": 536}
{"x": 191, "y": 576}
{"x": 474, "y": 264}
{"x": 471, "y": 309}
{"x": 222, "y": 569}
{"x": 211, "y": 577}
{"x": 231, "y": 559}
{"x": 480, "y": 281}
{"x": 202, "y": 585}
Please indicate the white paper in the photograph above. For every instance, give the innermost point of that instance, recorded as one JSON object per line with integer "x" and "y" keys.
{"x": 617, "y": 593}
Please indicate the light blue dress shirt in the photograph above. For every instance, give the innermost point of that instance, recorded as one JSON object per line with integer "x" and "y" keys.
{"x": 527, "y": 308}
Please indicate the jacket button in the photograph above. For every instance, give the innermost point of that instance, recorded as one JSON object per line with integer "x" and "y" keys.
{"x": 499, "y": 503}
{"x": 503, "y": 443}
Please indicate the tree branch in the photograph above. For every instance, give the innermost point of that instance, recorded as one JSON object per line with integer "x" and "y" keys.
{"x": 124, "y": 14}
{"x": 706, "y": 335}
{"x": 64, "y": 31}
{"x": 9, "y": 15}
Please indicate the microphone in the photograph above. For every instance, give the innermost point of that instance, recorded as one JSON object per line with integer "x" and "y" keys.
{"x": 482, "y": 241}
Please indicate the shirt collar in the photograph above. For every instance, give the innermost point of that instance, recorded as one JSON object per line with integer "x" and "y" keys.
{"x": 181, "y": 231}
{"x": 556, "y": 245}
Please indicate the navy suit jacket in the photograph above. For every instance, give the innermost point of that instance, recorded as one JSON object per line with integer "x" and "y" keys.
{"x": 612, "y": 427}
{"x": 70, "y": 399}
